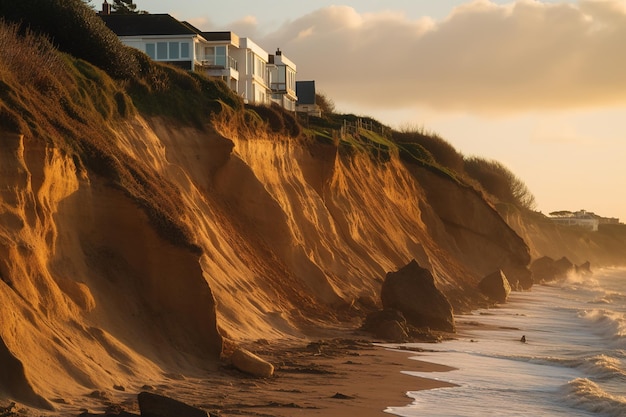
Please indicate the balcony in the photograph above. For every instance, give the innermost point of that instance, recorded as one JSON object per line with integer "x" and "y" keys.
{"x": 219, "y": 62}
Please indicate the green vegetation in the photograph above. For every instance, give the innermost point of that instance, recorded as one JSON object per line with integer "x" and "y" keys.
{"x": 497, "y": 180}
{"x": 74, "y": 28}
{"x": 76, "y": 100}
{"x": 69, "y": 103}
{"x": 277, "y": 119}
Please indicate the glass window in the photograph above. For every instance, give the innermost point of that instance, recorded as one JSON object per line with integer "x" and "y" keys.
{"x": 150, "y": 50}
{"x": 184, "y": 49}
{"x": 209, "y": 54}
{"x": 174, "y": 50}
{"x": 220, "y": 56}
{"x": 161, "y": 50}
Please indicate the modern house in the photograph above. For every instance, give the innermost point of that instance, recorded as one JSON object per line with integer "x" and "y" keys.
{"x": 305, "y": 90}
{"x": 218, "y": 60}
{"x": 160, "y": 36}
{"x": 243, "y": 65}
{"x": 254, "y": 77}
{"x": 283, "y": 81}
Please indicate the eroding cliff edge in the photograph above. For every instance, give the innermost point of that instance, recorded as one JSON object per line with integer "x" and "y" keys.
{"x": 91, "y": 295}
{"x": 290, "y": 236}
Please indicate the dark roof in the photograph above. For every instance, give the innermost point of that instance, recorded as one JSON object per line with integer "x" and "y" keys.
{"x": 305, "y": 90}
{"x": 145, "y": 24}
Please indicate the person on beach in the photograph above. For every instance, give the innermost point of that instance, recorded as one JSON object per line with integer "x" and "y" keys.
{"x": 523, "y": 339}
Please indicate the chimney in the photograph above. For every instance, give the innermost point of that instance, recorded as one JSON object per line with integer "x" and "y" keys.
{"x": 278, "y": 52}
{"x": 106, "y": 8}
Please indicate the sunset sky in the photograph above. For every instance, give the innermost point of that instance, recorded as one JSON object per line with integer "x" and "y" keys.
{"x": 537, "y": 85}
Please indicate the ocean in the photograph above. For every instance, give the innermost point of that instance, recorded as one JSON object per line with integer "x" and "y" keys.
{"x": 572, "y": 364}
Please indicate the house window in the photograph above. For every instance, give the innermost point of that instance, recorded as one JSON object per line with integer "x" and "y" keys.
{"x": 161, "y": 48}
{"x": 174, "y": 50}
{"x": 184, "y": 50}
{"x": 151, "y": 50}
{"x": 220, "y": 56}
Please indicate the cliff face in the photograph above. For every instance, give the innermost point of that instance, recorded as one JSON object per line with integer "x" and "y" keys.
{"x": 603, "y": 248}
{"x": 292, "y": 236}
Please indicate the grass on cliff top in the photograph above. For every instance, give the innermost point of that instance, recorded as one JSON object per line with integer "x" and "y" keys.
{"x": 59, "y": 100}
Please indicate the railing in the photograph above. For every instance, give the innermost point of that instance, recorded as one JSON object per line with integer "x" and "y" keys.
{"x": 220, "y": 62}
{"x": 353, "y": 128}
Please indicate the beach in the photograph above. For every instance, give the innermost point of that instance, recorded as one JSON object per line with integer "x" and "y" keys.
{"x": 330, "y": 377}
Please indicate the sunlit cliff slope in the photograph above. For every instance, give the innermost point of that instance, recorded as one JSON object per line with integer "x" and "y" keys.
{"x": 136, "y": 244}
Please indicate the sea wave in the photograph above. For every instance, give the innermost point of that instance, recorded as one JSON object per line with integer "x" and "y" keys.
{"x": 611, "y": 324}
{"x": 598, "y": 367}
{"x": 587, "y": 395}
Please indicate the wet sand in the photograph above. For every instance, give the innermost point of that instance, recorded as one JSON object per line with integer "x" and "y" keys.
{"x": 338, "y": 377}
{"x": 332, "y": 377}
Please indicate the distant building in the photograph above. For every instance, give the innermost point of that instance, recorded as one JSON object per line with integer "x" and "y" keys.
{"x": 582, "y": 218}
{"x": 305, "y": 90}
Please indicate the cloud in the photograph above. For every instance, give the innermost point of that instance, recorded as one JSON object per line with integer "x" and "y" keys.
{"x": 483, "y": 57}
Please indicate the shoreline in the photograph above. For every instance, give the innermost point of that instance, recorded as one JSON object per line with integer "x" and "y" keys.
{"x": 340, "y": 377}
{"x": 331, "y": 377}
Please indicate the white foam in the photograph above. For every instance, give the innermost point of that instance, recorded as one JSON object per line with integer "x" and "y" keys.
{"x": 573, "y": 363}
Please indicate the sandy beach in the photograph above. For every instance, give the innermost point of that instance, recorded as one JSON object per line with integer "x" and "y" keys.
{"x": 337, "y": 377}
{"x": 330, "y": 377}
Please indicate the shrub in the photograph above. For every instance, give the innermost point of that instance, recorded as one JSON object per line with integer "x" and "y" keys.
{"x": 74, "y": 28}
{"x": 500, "y": 182}
{"x": 440, "y": 150}
{"x": 278, "y": 119}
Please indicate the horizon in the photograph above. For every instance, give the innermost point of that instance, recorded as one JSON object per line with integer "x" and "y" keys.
{"x": 532, "y": 84}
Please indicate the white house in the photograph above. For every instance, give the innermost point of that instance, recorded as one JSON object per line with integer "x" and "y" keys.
{"x": 283, "y": 80}
{"x": 218, "y": 59}
{"x": 160, "y": 36}
{"x": 582, "y": 219}
{"x": 242, "y": 64}
{"x": 254, "y": 75}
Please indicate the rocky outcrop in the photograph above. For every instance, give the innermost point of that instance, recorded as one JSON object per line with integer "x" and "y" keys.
{"x": 473, "y": 231}
{"x": 584, "y": 268}
{"x": 412, "y": 291}
{"x": 546, "y": 269}
{"x": 389, "y": 325}
{"x": 495, "y": 286}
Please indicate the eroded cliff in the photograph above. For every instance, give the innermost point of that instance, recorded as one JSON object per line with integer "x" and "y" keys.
{"x": 136, "y": 247}
{"x": 288, "y": 238}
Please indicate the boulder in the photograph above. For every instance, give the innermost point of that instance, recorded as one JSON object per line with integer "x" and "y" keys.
{"x": 584, "y": 269}
{"x": 495, "y": 286}
{"x": 251, "y": 364}
{"x": 520, "y": 277}
{"x": 154, "y": 405}
{"x": 412, "y": 291}
{"x": 389, "y": 325}
{"x": 563, "y": 267}
{"x": 546, "y": 269}
{"x": 543, "y": 269}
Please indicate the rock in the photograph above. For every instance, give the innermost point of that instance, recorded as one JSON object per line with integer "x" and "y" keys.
{"x": 520, "y": 278}
{"x": 546, "y": 269}
{"x": 584, "y": 269}
{"x": 412, "y": 291}
{"x": 389, "y": 325}
{"x": 251, "y": 364}
{"x": 495, "y": 286}
{"x": 563, "y": 267}
{"x": 154, "y": 405}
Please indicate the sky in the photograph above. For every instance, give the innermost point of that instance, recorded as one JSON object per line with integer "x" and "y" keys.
{"x": 538, "y": 85}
